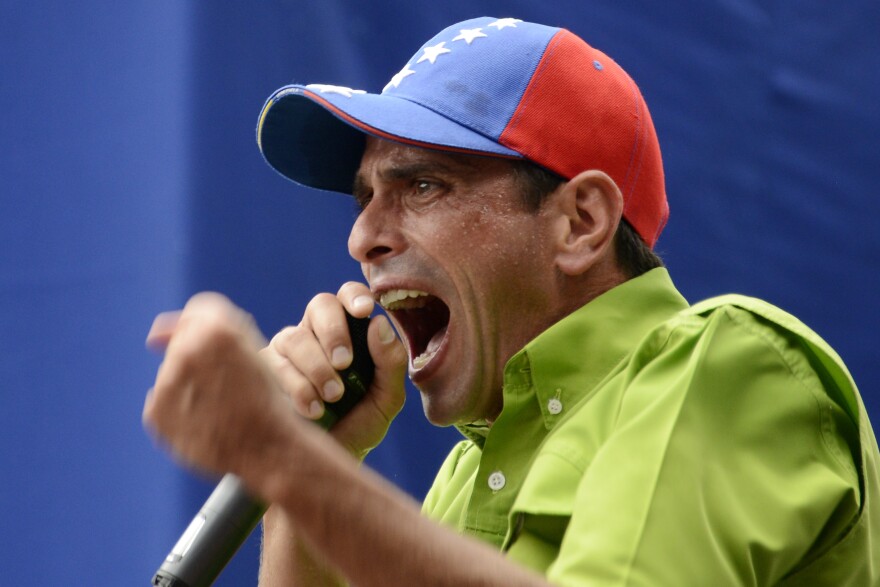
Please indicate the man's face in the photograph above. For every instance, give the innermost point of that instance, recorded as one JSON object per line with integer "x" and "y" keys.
{"x": 463, "y": 269}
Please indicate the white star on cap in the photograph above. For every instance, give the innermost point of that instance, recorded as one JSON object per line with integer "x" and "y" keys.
{"x": 469, "y": 35}
{"x": 503, "y": 23}
{"x": 328, "y": 89}
{"x": 431, "y": 53}
{"x": 398, "y": 77}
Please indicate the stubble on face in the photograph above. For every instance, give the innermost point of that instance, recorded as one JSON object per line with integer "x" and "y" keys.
{"x": 454, "y": 227}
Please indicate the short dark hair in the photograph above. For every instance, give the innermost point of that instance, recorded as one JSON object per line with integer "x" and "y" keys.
{"x": 633, "y": 255}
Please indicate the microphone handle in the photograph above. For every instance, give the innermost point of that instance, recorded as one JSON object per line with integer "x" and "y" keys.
{"x": 230, "y": 514}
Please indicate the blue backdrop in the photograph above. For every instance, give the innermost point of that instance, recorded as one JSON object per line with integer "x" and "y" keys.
{"x": 130, "y": 179}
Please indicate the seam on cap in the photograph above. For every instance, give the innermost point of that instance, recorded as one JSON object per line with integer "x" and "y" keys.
{"x": 476, "y": 129}
{"x": 636, "y": 151}
{"x": 480, "y": 128}
{"x": 518, "y": 112}
{"x": 664, "y": 218}
{"x": 638, "y": 139}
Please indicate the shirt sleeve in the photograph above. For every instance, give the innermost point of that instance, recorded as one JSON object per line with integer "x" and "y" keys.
{"x": 727, "y": 464}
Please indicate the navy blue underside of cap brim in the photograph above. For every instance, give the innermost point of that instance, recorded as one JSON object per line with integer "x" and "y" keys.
{"x": 306, "y": 143}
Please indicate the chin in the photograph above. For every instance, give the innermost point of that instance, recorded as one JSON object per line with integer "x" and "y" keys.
{"x": 435, "y": 415}
{"x": 445, "y": 411}
{"x": 440, "y": 415}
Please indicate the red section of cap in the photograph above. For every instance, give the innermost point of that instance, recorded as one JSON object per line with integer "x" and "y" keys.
{"x": 582, "y": 111}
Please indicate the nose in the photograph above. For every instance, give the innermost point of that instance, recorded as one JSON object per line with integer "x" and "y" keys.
{"x": 375, "y": 235}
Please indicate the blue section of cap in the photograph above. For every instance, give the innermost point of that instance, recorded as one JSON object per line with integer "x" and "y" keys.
{"x": 381, "y": 114}
{"x": 458, "y": 91}
{"x": 478, "y": 84}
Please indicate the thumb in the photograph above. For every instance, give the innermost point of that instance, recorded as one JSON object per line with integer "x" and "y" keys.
{"x": 390, "y": 358}
{"x": 162, "y": 330}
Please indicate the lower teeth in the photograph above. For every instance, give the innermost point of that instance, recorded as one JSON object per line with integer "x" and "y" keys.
{"x": 422, "y": 360}
{"x": 433, "y": 346}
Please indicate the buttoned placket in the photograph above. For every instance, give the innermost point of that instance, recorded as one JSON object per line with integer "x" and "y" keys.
{"x": 502, "y": 470}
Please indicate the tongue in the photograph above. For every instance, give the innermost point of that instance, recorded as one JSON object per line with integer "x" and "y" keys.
{"x": 435, "y": 341}
{"x": 429, "y": 352}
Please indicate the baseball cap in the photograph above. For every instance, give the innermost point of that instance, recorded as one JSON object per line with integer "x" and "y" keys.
{"x": 497, "y": 87}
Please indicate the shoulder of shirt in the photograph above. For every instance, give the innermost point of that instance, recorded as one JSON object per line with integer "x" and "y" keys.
{"x": 762, "y": 312}
{"x": 780, "y": 329}
{"x": 797, "y": 355}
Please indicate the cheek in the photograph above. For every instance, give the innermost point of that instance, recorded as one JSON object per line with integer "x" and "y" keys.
{"x": 490, "y": 238}
{"x": 501, "y": 262}
{"x": 474, "y": 245}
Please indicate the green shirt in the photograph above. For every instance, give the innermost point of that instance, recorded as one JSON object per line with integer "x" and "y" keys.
{"x": 646, "y": 442}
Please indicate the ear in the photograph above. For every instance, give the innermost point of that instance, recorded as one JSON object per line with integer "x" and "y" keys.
{"x": 590, "y": 206}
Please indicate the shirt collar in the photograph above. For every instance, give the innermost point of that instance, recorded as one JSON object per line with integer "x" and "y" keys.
{"x": 566, "y": 361}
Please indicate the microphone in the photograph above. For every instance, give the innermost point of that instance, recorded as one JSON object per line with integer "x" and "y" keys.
{"x": 230, "y": 514}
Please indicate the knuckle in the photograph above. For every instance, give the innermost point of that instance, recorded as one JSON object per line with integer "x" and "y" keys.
{"x": 337, "y": 331}
{"x": 302, "y": 403}
{"x": 207, "y": 306}
{"x": 302, "y": 398}
{"x": 320, "y": 373}
{"x": 208, "y": 325}
{"x": 285, "y": 342}
{"x": 284, "y": 335}
{"x": 294, "y": 384}
{"x": 353, "y": 287}
{"x": 320, "y": 300}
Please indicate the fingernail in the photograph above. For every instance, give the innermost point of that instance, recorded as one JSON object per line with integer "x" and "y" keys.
{"x": 315, "y": 409}
{"x": 341, "y": 357}
{"x": 386, "y": 333}
{"x": 362, "y": 303}
{"x": 332, "y": 390}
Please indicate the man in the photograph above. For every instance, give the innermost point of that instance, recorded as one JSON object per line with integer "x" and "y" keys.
{"x": 511, "y": 190}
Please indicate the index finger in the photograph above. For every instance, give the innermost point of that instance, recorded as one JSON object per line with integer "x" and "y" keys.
{"x": 356, "y": 298}
{"x": 325, "y": 319}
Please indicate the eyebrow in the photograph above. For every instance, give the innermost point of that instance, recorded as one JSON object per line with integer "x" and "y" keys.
{"x": 402, "y": 171}
{"x": 410, "y": 170}
{"x": 449, "y": 163}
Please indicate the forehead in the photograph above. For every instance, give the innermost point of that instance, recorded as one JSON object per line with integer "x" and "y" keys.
{"x": 387, "y": 160}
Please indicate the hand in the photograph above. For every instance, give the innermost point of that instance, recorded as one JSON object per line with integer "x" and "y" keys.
{"x": 215, "y": 402}
{"x": 305, "y": 359}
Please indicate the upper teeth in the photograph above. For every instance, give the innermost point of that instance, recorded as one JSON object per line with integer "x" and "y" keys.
{"x": 403, "y": 298}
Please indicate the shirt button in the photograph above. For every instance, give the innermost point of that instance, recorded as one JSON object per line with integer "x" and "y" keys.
{"x": 554, "y": 406}
{"x": 497, "y": 481}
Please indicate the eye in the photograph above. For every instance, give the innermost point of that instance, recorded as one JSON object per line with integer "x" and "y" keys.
{"x": 362, "y": 200}
{"x": 424, "y": 186}
{"x": 428, "y": 189}
{"x": 425, "y": 192}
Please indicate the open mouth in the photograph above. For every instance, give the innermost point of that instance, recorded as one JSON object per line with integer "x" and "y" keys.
{"x": 422, "y": 317}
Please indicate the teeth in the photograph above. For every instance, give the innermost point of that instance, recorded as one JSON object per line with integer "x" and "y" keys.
{"x": 398, "y": 299}
{"x": 423, "y": 359}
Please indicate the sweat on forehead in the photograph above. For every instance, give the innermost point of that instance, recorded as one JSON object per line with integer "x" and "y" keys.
{"x": 389, "y": 162}
{"x": 488, "y": 86}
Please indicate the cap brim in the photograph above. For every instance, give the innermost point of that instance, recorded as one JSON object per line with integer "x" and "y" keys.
{"x": 317, "y": 138}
